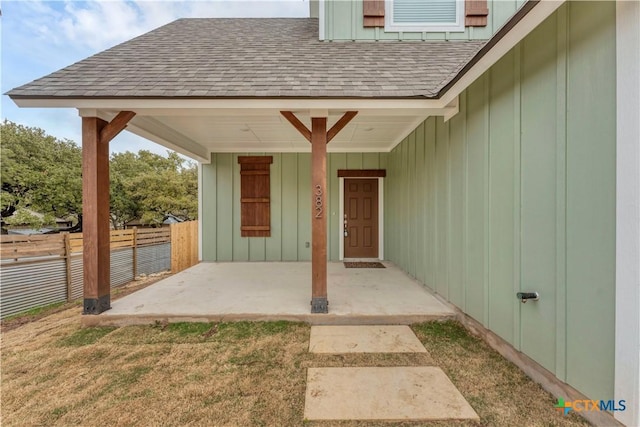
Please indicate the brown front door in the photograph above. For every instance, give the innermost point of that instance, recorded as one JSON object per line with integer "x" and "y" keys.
{"x": 361, "y": 218}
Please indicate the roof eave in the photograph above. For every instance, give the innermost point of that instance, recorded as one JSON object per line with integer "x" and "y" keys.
{"x": 531, "y": 14}
{"x": 526, "y": 19}
{"x": 249, "y": 103}
{"x": 18, "y": 97}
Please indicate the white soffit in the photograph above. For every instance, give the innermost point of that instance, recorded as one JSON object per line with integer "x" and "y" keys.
{"x": 196, "y": 132}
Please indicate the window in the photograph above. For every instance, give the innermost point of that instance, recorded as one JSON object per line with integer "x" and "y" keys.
{"x": 255, "y": 196}
{"x": 424, "y": 15}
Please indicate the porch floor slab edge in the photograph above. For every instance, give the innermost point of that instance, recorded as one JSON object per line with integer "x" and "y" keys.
{"x": 311, "y": 319}
{"x": 264, "y": 291}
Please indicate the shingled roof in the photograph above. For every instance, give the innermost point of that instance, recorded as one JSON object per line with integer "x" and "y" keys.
{"x": 256, "y": 58}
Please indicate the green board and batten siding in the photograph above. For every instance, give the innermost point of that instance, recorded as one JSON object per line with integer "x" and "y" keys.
{"x": 290, "y": 207}
{"x": 344, "y": 21}
{"x": 517, "y": 192}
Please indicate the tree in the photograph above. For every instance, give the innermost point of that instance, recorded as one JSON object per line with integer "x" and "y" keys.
{"x": 123, "y": 169}
{"x": 34, "y": 220}
{"x": 44, "y": 174}
{"x": 39, "y": 172}
{"x": 148, "y": 186}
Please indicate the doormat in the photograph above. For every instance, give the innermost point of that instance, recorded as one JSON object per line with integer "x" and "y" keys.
{"x": 364, "y": 264}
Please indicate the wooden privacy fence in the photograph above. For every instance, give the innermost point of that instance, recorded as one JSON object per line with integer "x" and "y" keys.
{"x": 39, "y": 270}
{"x": 184, "y": 245}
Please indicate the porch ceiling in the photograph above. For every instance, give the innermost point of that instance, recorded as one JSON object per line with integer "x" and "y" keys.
{"x": 273, "y": 133}
{"x": 198, "y": 131}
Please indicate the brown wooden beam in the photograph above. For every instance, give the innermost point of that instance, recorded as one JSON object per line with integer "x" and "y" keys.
{"x": 115, "y": 126}
{"x": 362, "y": 173}
{"x": 340, "y": 124}
{"x": 291, "y": 118}
{"x": 319, "y": 303}
{"x": 95, "y": 217}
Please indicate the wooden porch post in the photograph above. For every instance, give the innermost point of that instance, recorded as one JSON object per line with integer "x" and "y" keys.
{"x": 319, "y": 303}
{"x": 95, "y": 217}
{"x": 319, "y": 137}
{"x": 96, "y": 134}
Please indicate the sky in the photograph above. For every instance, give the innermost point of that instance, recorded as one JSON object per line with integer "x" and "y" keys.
{"x": 40, "y": 37}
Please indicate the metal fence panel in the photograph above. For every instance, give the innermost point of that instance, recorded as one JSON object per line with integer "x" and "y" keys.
{"x": 121, "y": 266}
{"x": 154, "y": 259}
{"x": 26, "y": 286}
{"x": 77, "y": 271}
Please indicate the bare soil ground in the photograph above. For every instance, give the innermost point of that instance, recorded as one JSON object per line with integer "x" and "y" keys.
{"x": 54, "y": 372}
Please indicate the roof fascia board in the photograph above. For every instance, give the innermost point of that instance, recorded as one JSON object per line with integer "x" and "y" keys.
{"x": 448, "y": 112}
{"x": 532, "y": 14}
{"x": 229, "y": 104}
{"x": 453, "y": 109}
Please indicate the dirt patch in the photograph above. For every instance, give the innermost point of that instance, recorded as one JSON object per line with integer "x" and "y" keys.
{"x": 20, "y": 320}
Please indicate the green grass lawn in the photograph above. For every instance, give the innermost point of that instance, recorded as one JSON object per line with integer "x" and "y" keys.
{"x": 230, "y": 374}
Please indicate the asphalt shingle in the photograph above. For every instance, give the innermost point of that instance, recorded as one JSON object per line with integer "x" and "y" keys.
{"x": 247, "y": 58}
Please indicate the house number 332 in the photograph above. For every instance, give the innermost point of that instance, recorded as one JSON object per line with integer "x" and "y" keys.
{"x": 318, "y": 201}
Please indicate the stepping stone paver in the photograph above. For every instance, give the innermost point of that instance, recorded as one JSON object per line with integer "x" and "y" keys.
{"x": 364, "y": 339}
{"x": 383, "y": 393}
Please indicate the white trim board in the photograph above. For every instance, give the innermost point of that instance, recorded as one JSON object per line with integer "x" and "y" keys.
{"x": 200, "y": 195}
{"x": 627, "y": 333}
{"x": 451, "y": 27}
{"x": 531, "y": 20}
{"x": 380, "y": 216}
{"x": 341, "y": 219}
{"x": 321, "y": 19}
{"x": 224, "y": 104}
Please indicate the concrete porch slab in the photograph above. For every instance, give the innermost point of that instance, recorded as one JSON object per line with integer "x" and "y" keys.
{"x": 277, "y": 291}
{"x": 364, "y": 339}
{"x": 389, "y": 394}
